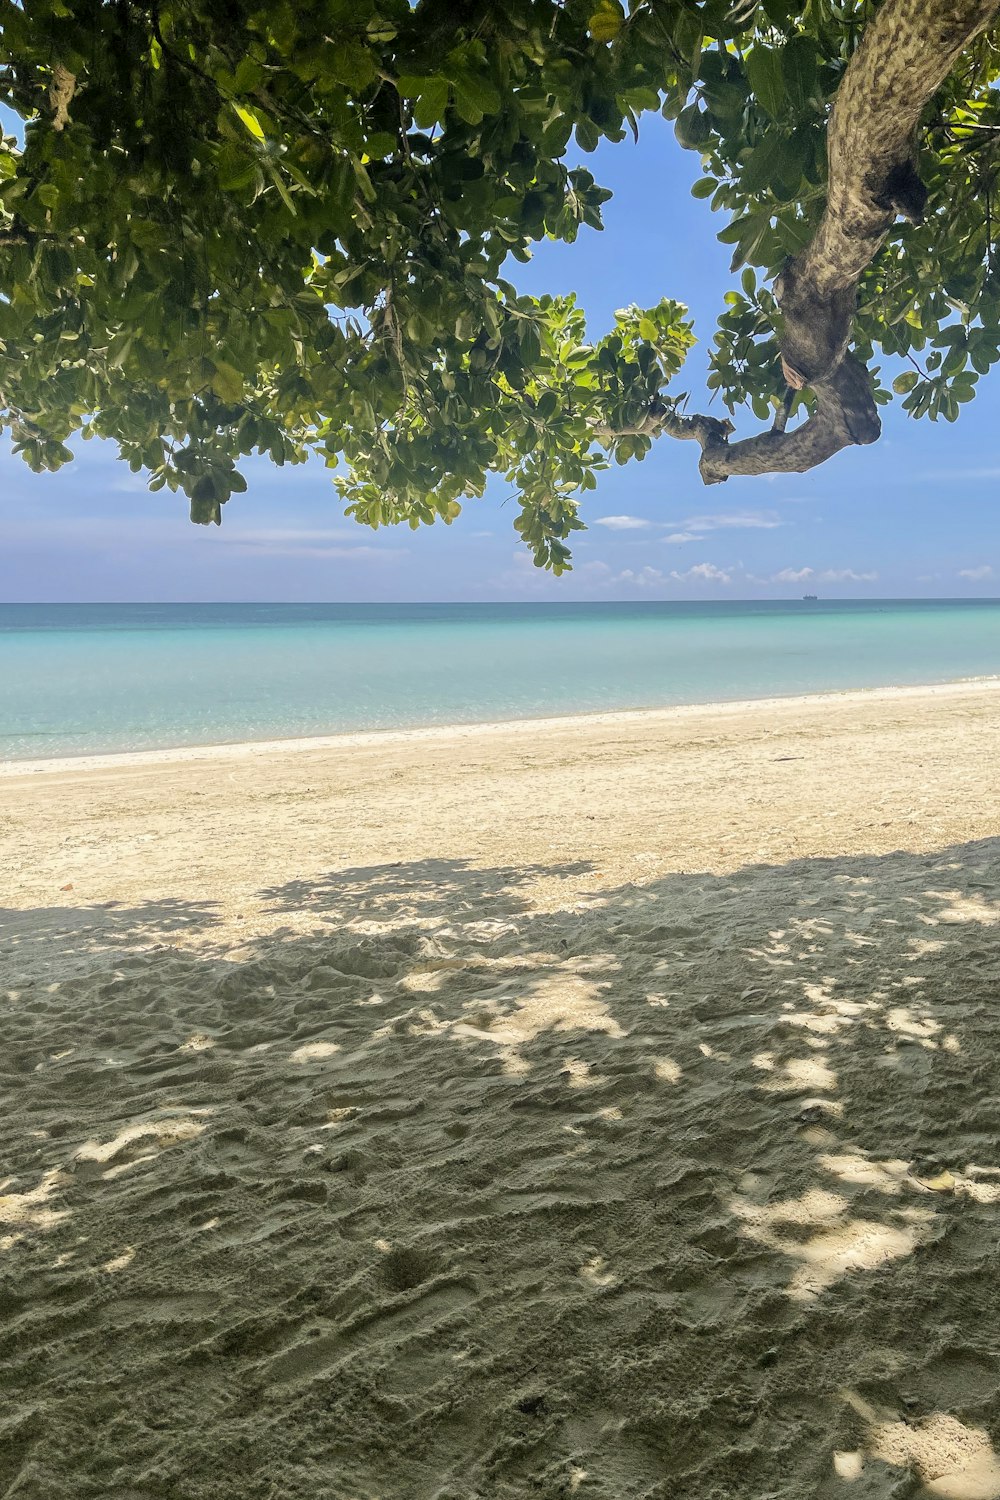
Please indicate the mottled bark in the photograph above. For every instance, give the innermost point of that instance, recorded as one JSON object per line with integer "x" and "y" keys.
{"x": 907, "y": 52}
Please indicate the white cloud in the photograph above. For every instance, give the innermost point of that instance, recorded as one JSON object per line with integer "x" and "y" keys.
{"x": 976, "y": 574}
{"x": 845, "y": 575}
{"x": 645, "y": 578}
{"x": 678, "y": 538}
{"x": 755, "y": 520}
{"x": 622, "y": 523}
{"x": 792, "y": 575}
{"x": 704, "y": 573}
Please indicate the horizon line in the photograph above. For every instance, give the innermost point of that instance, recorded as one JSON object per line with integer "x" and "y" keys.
{"x": 512, "y": 603}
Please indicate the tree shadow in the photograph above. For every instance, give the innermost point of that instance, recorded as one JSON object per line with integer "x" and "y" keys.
{"x": 427, "y": 888}
{"x": 686, "y": 1188}
{"x": 58, "y": 939}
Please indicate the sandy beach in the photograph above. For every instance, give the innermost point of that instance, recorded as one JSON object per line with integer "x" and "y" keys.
{"x": 605, "y": 1106}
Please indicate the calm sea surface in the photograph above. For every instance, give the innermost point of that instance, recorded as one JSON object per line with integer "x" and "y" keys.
{"x": 81, "y": 679}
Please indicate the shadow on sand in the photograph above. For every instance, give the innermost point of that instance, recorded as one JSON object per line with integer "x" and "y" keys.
{"x": 687, "y": 1189}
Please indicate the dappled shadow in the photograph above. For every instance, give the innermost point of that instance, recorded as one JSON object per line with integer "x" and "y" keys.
{"x": 689, "y": 1187}
{"x": 427, "y": 888}
{"x": 55, "y": 940}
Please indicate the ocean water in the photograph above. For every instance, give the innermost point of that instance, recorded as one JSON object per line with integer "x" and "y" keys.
{"x": 84, "y": 679}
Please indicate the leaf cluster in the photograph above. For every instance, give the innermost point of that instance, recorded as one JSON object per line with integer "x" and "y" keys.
{"x": 287, "y": 229}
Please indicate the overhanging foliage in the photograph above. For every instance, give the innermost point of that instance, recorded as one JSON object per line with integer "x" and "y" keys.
{"x": 285, "y": 229}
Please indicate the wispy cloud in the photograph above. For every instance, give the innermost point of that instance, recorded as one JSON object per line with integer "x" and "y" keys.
{"x": 355, "y": 542}
{"x": 792, "y": 575}
{"x": 743, "y": 520}
{"x": 622, "y": 523}
{"x": 825, "y": 575}
{"x": 703, "y": 573}
{"x": 976, "y": 574}
{"x": 678, "y": 538}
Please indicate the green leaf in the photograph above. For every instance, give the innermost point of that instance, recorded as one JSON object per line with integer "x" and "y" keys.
{"x": 692, "y": 127}
{"x": 227, "y": 382}
{"x": 250, "y": 120}
{"x": 798, "y": 70}
{"x": 905, "y": 382}
{"x": 380, "y": 145}
{"x": 235, "y": 166}
{"x": 606, "y": 21}
{"x": 763, "y": 165}
{"x": 765, "y": 75}
{"x": 432, "y": 102}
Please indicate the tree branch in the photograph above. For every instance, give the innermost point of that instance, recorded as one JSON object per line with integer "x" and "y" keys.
{"x": 906, "y": 53}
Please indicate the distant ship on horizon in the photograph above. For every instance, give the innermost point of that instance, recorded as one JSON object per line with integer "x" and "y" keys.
{"x": 810, "y": 598}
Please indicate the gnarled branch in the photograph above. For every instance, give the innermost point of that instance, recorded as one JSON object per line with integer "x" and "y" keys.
{"x": 906, "y": 53}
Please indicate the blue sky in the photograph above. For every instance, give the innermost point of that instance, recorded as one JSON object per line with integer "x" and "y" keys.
{"x": 913, "y": 516}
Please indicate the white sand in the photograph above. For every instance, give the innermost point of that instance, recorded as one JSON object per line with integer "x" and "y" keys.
{"x": 604, "y": 1107}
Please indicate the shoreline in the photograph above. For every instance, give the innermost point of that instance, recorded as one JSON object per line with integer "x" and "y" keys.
{"x": 601, "y": 719}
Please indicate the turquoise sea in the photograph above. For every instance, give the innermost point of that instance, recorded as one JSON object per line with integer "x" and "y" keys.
{"x": 82, "y": 679}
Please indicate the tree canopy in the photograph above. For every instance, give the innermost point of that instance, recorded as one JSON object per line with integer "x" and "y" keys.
{"x": 287, "y": 228}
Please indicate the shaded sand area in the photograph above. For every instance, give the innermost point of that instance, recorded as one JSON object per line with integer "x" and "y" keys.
{"x": 607, "y": 1107}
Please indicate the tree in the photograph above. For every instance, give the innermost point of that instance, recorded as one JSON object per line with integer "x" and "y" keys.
{"x": 234, "y": 227}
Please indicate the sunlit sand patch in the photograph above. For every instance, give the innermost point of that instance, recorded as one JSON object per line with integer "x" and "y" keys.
{"x": 964, "y": 908}
{"x": 120, "y": 1262}
{"x": 172, "y": 1131}
{"x": 596, "y": 1274}
{"x": 28, "y": 1210}
{"x": 951, "y": 1459}
{"x": 796, "y": 1074}
{"x": 128, "y": 1166}
{"x": 901, "y": 1019}
{"x": 848, "y": 1464}
{"x": 559, "y": 1002}
{"x": 423, "y": 982}
{"x": 199, "y": 1042}
{"x": 313, "y": 1052}
{"x": 666, "y": 1070}
{"x": 812, "y": 927}
{"x": 840, "y": 1246}
{"x": 888, "y": 1176}
{"x": 834, "y": 1017}
{"x": 336, "y": 1117}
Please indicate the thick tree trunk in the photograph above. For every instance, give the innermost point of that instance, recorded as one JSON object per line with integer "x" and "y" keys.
{"x": 906, "y": 53}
